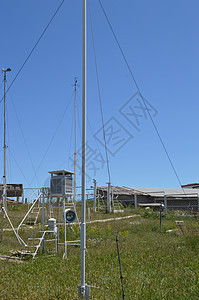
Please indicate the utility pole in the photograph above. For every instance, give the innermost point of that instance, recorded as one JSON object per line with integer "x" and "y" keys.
{"x": 4, "y": 203}
{"x": 75, "y": 153}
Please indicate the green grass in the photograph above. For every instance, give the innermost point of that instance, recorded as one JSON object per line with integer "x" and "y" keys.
{"x": 155, "y": 264}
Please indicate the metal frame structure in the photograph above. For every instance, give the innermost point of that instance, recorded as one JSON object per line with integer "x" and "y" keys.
{"x": 29, "y": 211}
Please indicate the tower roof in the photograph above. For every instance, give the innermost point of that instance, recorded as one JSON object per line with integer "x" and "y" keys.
{"x": 60, "y": 172}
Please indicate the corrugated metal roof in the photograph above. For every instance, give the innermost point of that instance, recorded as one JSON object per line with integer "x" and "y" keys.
{"x": 154, "y": 192}
{"x": 168, "y": 192}
{"x": 117, "y": 190}
{"x": 193, "y": 185}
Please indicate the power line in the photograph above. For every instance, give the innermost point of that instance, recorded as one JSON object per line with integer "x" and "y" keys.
{"x": 31, "y": 52}
{"x": 139, "y": 91}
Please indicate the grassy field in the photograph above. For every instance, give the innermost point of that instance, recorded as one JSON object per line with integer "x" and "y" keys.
{"x": 155, "y": 264}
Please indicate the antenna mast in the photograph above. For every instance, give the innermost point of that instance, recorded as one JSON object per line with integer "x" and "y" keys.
{"x": 83, "y": 289}
{"x": 75, "y": 153}
{"x": 5, "y": 146}
{"x": 4, "y": 204}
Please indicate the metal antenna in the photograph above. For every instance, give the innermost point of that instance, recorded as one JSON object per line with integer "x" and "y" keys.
{"x": 4, "y": 204}
{"x": 75, "y": 153}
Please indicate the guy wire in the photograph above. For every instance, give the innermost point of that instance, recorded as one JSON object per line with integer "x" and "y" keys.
{"x": 107, "y": 160}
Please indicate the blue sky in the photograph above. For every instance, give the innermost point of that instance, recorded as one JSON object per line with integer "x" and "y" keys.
{"x": 160, "y": 42}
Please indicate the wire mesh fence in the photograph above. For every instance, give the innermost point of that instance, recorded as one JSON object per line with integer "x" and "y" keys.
{"x": 189, "y": 204}
{"x": 185, "y": 201}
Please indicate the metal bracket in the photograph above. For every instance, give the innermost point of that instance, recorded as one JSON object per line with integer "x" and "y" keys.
{"x": 84, "y": 291}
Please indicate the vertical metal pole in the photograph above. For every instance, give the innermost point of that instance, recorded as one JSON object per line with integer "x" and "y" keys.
{"x": 109, "y": 197}
{"x": 75, "y": 154}
{"x": 65, "y": 242}
{"x": 160, "y": 219}
{"x": 94, "y": 195}
{"x": 50, "y": 200}
{"x": 2, "y": 216}
{"x": 5, "y": 147}
{"x": 165, "y": 203}
{"x": 58, "y": 204}
{"x": 98, "y": 203}
{"x": 161, "y": 210}
{"x": 43, "y": 222}
{"x": 135, "y": 201}
{"x": 23, "y": 197}
{"x": 4, "y": 203}
{"x": 198, "y": 203}
{"x": 56, "y": 242}
{"x": 83, "y": 212}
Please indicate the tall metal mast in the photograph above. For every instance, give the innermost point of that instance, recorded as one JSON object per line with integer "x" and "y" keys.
{"x": 75, "y": 153}
{"x": 4, "y": 204}
{"x": 5, "y": 146}
{"x": 83, "y": 288}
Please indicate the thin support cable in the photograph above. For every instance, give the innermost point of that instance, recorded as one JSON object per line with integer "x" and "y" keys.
{"x": 26, "y": 145}
{"x": 1, "y": 120}
{"x": 71, "y": 134}
{"x": 9, "y": 169}
{"x": 116, "y": 231}
{"x": 18, "y": 166}
{"x": 16, "y": 234}
{"x": 49, "y": 145}
{"x": 78, "y": 115}
{"x": 118, "y": 249}
{"x": 1, "y": 83}
{"x": 141, "y": 96}
{"x": 120, "y": 264}
{"x": 101, "y": 110}
{"x": 89, "y": 124}
{"x": 31, "y": 52}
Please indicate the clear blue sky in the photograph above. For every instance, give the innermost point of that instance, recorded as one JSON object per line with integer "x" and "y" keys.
{"x": 160, "y": 41}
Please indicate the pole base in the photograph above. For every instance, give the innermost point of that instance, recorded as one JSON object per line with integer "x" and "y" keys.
{"x": 84, "y": 291}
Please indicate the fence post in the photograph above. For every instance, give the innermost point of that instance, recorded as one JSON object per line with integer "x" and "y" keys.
{"x": 198, "y": 203}
{"x": 23, "y": 196}
{"x": 109, "y": 197}
{"x": 89, "y": 213}
{"x": 165, "y": 203}
{"x": 43, "y": 222}
{"x": 94, "y": 192}
{"x": 135, "y": 201}
{"x": 98, "y": 203}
